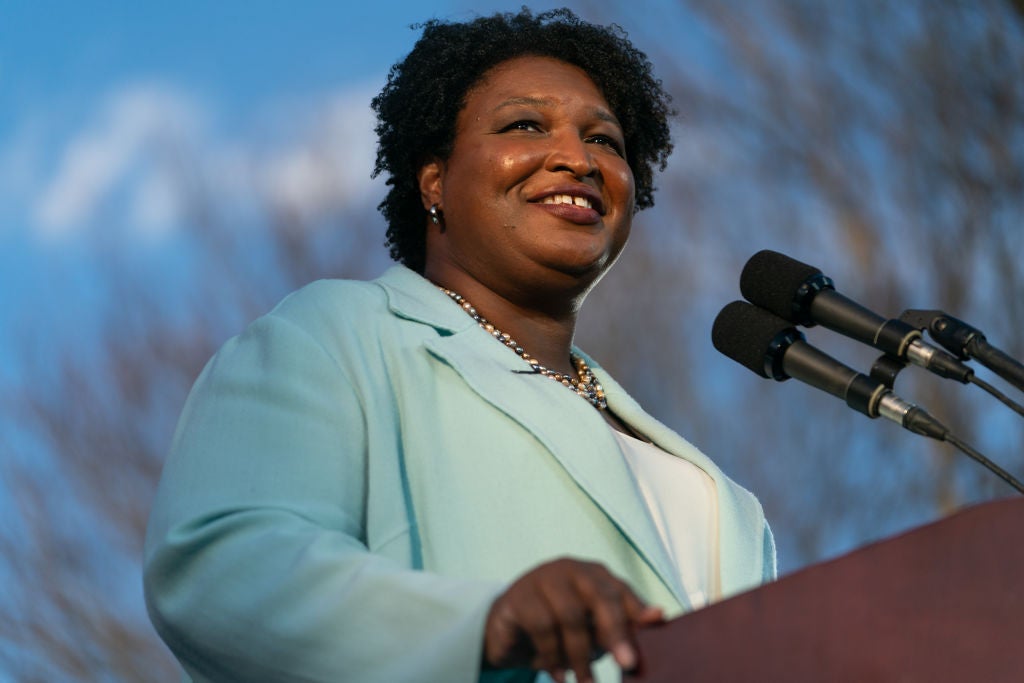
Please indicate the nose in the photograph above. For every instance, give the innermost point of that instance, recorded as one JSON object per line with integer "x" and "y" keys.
{"x": 570, "y": 153}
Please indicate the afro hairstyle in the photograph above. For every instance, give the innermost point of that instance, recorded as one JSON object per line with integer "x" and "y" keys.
{"x": 417, "y": 109}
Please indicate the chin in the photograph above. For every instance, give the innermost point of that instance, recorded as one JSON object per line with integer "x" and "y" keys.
{"x": 591, "y": 271}
{"x": 581, "y": 274}
{"x": 579, "y": 265}
{"x": 591, "y": 265}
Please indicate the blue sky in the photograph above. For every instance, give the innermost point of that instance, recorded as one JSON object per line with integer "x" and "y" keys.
{"x": 100, "y": 102}
{"x": 241, "y": 52}
{"x": 88, "y": 89}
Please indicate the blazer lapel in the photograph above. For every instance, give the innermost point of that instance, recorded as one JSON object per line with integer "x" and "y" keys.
{"x": 575, "y": 433}
{"x": 572, "y": 431}
{"x": 740, "y": 518}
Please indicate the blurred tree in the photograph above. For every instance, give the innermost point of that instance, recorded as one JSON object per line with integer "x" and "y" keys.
{"x": 95, "y": 420}
{"x": 882, "y": 141}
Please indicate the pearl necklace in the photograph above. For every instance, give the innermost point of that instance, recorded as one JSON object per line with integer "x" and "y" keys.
{"x": 584, "y": 384}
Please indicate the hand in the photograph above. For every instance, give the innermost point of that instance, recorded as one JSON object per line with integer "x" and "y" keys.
{"x": 563, "y": 615}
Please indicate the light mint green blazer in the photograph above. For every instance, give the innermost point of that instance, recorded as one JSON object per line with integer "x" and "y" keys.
{"x": 362, "y": 471}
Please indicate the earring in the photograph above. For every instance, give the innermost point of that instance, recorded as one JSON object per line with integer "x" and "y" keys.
{"x": 435, "y": 214}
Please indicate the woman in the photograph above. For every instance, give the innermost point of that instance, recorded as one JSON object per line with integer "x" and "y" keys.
{"x": 420, "y": 478}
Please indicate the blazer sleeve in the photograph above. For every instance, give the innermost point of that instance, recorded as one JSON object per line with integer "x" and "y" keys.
{"x": 257, "y": 567}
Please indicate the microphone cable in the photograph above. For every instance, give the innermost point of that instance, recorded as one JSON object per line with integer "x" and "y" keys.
{"x": 1006, "y": 400}
{"x": 976, "y": 455}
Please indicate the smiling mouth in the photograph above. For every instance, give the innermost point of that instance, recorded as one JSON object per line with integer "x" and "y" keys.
{"x": 567, "y": 199}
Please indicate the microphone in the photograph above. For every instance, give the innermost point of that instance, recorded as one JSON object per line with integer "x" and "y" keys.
{"x": 771, "y": 347}
{"x": 803, "y": 295}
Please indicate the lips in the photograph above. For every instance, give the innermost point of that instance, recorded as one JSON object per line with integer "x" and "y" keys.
{"x": 581, "y": 196}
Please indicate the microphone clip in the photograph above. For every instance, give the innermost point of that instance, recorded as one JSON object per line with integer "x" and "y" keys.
{"x": 953, "y": 334}
{"x": 886, "y": 368}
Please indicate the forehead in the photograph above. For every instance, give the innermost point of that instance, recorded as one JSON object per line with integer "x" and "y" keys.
{"x": 536, "y": 80}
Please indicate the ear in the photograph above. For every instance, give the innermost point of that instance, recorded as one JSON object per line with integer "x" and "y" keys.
{"x": 430, "y": 176}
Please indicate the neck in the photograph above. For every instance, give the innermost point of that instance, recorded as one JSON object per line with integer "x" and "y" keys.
{"x": 542, "y": 324}
{"x": 549, "y": 340}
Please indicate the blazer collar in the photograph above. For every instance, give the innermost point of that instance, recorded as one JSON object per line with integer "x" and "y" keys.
{"x": 412, "y": 296}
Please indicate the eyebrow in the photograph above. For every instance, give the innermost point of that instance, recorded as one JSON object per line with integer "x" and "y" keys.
{"x": 598, "y": 112}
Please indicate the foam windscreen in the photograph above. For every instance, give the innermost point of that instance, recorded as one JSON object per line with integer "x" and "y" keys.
{"x": 771, "y": 280}
{"x": 745, "y": 333}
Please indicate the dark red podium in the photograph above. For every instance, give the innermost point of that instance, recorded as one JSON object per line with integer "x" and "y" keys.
{"x": 944, "y": 602}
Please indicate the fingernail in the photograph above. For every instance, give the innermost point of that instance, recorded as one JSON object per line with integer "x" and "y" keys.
{"x": 655, "y": 613}
{"x": 624, "y": 655}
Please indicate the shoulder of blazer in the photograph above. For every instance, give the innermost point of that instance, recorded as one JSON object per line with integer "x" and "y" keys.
{"x": 350, "y": 305}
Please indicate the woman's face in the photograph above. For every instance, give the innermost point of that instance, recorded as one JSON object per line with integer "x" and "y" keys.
{"x": 537, "y": 192}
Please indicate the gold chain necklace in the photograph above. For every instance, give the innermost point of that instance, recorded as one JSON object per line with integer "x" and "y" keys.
{"x": 584, "y": 384}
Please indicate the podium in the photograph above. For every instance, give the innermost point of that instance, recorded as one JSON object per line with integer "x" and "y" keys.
{"x": 944, "y": 602}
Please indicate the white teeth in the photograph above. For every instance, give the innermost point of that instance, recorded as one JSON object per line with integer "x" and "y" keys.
{"x": 567, "y": 199}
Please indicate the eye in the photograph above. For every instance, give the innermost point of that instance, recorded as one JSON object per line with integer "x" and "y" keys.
{"x": 607, "y": 141}
{"x": 523, "y": 124}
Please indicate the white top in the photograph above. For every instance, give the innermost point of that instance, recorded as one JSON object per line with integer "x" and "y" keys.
{"x": 683, "y": 503}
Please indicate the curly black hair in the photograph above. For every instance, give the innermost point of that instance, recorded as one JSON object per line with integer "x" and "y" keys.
{"x": 417, "y": 109}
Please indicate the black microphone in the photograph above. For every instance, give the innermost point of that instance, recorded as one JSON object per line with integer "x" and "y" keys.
{"x": 771, "y": 347}
{"x": 801, "y": 294}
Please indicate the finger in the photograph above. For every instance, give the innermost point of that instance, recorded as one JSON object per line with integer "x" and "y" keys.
{"x": 619, "y": 612}
{"x": 577, "y": 607}
{"x": 572, "y": 616}
{"x": 613, "y": 627}
{"x": 649, "y": 616}
{"x": 505, "y": 643}
{"x": 541, "y": 627}
{"x": 641, "y": 614}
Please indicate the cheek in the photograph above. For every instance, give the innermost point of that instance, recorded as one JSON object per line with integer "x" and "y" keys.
{"x": 618, "y": 178}
{"x": 515, "y": 163}
{"x": 628, "y": 185}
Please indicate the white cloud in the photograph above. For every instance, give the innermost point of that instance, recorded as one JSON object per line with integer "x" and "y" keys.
{"x": 155, "y": 205}
{"x": 330, "y": 166}
{"x": 133, "y": 124}
{"x": 129, "y": 164}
